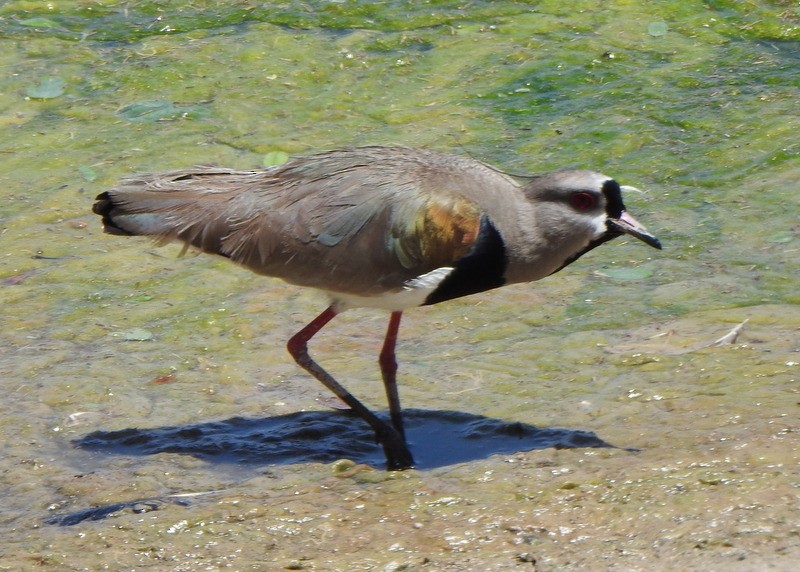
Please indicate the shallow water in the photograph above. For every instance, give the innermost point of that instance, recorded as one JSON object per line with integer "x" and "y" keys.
{"x": 106, "y": 339}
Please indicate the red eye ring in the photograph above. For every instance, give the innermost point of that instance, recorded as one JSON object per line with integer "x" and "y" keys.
{"x": 583, "y": 201}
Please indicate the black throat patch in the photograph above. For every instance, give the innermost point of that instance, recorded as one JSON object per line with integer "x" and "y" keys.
{"x": 483, "y": 268}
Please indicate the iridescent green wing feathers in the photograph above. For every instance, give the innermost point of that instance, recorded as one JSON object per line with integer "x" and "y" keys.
{"x": 435, "y": 233}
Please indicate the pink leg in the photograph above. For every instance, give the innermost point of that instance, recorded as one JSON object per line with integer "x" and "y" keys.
{"x": 394, "y": 445}
{"x": 388, "y": 364}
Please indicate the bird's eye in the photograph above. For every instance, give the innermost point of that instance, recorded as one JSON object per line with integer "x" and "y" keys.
{"x": 583, "y": 201}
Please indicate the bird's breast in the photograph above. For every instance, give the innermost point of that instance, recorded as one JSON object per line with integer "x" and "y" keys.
{"x": 482, "y": 268}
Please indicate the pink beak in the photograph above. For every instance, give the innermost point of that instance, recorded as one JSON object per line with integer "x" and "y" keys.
{"x": 629, "y": 225}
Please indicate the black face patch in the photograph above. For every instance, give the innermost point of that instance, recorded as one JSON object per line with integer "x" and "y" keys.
{"x": 613, "y": 194}
{"x": 483, "y": 268}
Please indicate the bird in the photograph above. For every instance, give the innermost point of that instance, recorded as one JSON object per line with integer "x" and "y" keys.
{"x": 386, "y": 227}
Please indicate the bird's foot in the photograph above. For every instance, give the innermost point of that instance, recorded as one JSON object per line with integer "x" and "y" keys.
{"x": 398, "y": 456}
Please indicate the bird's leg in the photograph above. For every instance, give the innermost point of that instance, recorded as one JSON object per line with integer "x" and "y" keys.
{"x": 388, "y": 364}
{"x": 398, "y": 456}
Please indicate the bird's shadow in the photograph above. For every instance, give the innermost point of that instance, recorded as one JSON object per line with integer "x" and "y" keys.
{"x": 436, "y": 438}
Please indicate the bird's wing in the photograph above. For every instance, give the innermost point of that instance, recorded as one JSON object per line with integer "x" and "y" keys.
{"x": 354, "y": 226}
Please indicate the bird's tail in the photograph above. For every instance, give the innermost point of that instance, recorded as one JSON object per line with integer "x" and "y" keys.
{"x": 197, "y": 207}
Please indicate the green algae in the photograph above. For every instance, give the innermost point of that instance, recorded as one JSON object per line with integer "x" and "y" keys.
{"x": 106, "y": 22}
{"x": 160, "y": 110}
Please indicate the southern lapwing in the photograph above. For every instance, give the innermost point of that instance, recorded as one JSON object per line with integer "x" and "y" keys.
{"x": 381, "y": 227}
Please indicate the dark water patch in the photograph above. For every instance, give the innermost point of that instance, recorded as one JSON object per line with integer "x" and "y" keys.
{"x": 437, "y": 438}
{"x": 106, "y": 510}
{"x": 788, "y": 50}
{"x": 143, "y": 19}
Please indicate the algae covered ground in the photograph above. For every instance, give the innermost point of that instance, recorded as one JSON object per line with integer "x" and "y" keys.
{"x": 152, "y": 418}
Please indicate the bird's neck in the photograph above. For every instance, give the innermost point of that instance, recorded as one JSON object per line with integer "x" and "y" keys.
{"x": 537, "y": 248}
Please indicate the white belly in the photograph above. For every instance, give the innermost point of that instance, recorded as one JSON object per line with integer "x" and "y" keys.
{"x": 414, "y": 293}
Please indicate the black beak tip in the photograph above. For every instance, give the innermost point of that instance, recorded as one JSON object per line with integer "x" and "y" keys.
{"x": 626, "y": 224}
{"x": 654, "y": 242}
